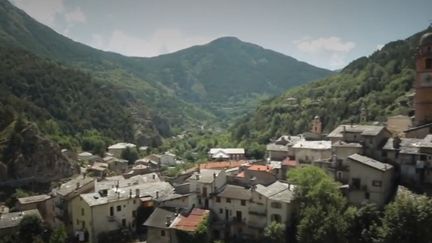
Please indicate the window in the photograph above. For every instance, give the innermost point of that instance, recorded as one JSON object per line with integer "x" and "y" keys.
{"x": 124, "y": 222}
{"x": 221, "y": 211}
{"x": 134, "y": 213}
{"x": 118, "y": 208}
{"x": 276, "y": 205}
{"x": 355, "y": 183}
{"x": 218, "y": 199}
{"x": 111, "y": 211}
{"x": 228, "y": 200}
{"x": 276, "y": 218}
{"x": 376, "y": 183}
{"x": 77, "y": 222}
{"x": 162, "y": 232}
{"x": 134, "y": 201}
{"x": 243, "y": 202}
{"x": 82, "y": 211}
{"x": 367, "y": 195}
{"x": 428, "y": 63}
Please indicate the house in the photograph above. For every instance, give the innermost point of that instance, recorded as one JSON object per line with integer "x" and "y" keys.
{"x": 204, "y": 184}
{"x": 164, "y": 223}
{"x": 66, "y": 193}
{"x": 98, "y": 169}
{"x": 231, "y": 206}
{"x": 167, "y": 159}
{"x": 282, "y": 147}
{"x": 308, "y": 151}
{"x": 398, "y": 124}
{"x": 117, "y": 149}
{"x": 370, "y": 181}
{"x": 9, "y": 222}
{"x": 413, "y": 156}
{"x": 83, "y": 156}
{"x": 371, "y": 137}
{"x": 43, "y": 203}
{"x": 119, "y": 166}
{"x": 419, "y": 131}
{"x": 116, "y": 208}
{"x": 339, "y": 167}
{"x": 255, "y": 174}
{"x": 226, "y": 154}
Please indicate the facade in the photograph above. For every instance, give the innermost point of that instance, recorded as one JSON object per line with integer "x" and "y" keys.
{"x": 414, "y": 158}
{"x": 423, "y": 82}
{"x": 66, "y": 193}
{"x": 316, "y": 125}
{"x": 113, "y": 209}
{"x": 204, "y": 184}
{"x": 43, "y": 203}
{"x": 309, "y": 151}
{"x": 370, "y": 181}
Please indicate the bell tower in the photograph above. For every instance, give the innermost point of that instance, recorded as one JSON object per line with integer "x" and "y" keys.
{"x": 423, "y": 82}
{"x": 316, "y": 125}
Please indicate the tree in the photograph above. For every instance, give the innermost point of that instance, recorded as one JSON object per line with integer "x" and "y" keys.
{"x": 275, "y": 232}
{"x": 323, "y": 214}
{"x": 365, "y": 224}
{"x": 131, "y": 155}
{"x": 30, "y": 227}
{"x": 407, "y": 219}
{"x": 59, "y": 235}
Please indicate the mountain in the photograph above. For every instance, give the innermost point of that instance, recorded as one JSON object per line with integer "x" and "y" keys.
{"x": 188, "y": 87}
{"x": 380, "y": 83}
{"x": 228, "y": 74}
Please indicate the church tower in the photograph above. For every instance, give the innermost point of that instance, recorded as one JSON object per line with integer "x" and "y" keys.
{"x": 423, "y": 82}
{"x": 316, "y": 125}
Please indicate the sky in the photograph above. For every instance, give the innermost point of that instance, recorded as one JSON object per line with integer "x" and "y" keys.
{"x": 325, "y": 33}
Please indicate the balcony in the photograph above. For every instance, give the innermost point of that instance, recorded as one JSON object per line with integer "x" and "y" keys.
{"x": 256, "y": 209}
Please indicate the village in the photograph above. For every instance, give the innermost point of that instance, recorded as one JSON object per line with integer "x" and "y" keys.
{"x": 239, "y": 196}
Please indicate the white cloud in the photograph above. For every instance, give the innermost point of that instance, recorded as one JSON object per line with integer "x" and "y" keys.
{"x": 75, "y": 16}
{"x": 160, "y": 42}
{"x": 43, "y": 11}
{"x": 333, "y": 44}
{"x": 331, "y": 50}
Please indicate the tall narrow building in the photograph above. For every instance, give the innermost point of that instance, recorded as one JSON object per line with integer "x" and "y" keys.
{"x": 423, "y": 82}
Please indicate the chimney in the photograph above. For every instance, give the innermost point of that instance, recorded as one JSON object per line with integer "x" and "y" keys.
{"x": 84, "y": 175}
{"x": 137, "y": 192}
{"x": 344, "y": 128}
{"x": 214, "y": 175}
{"x": 157, "y": 194}
{"x": 77, "y": 185}
{"x": 154, "y": 176}
{"x": 130, "y": 193}
{"x": 197, "y": 176}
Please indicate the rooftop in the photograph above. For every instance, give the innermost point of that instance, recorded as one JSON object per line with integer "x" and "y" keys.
{"x": 222, "y": 165}
{"x": 289, "y": 162}
{"x": 370, "y": 162}
{"x": 205, "y": 175}
{"x": 347, "y": 145}
{"x": 288, "y": 140}
{"x": 276, "y": 147}
{"x": 235, "y": 192}
{"x": 321, "y": 145}
{"x": 160, "y": 218}
{"x": 191, "y": 222}
{"x": 74, "y": 184}
{"x": 407, "y": 145}
{"x": 266, "y": 168}
{"x": 122, "y": 146}
{"x": 113, "y": 181}
{"x": 366, "y": 130}
{"x": 278, "y": 191}
{"x": 227, "y": 150}
{"x": 33, "y": 199}
{"x": 156, "y": 190}
{"x": 10, "y": 220}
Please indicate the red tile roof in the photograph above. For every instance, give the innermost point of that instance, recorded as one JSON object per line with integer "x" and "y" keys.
{"x": 266, "y": 168}
{"x": 191, "y": 222}
{"x": 222, "y": 165}
{"x": 288, "y": 162}
{"x": 241, "y": 174}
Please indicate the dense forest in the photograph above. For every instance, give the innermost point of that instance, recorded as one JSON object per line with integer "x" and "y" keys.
{"x": 68, "y": 105}
{"x": 381, "y": 84}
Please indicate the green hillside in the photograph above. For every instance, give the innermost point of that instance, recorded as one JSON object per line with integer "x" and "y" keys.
{"x": 65, "y": 103}
{"x": 381, "y": 83}
{"x": 191, "y": 87}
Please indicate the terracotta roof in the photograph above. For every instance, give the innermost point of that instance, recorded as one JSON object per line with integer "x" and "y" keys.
{"x": 266, "y": 168}
{"x": 222, "y": 164}
{"x": 192, "y": 221}
{"x": 241, "y": 174}
{"x": 288, "y": 162}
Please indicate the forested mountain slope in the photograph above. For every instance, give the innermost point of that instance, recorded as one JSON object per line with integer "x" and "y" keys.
{"x": 381, "y": 83}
